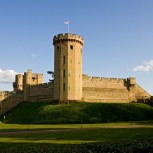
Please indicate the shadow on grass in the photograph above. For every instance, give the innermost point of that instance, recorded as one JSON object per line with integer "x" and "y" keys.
{"x": 119, "y": 147}
{"x": 78, "y": 135}
{"x": 144, "y": 122}
{"x": 120, "y": 140}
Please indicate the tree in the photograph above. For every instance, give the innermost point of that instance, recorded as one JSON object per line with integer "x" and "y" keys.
{"x": 52, "y": 75}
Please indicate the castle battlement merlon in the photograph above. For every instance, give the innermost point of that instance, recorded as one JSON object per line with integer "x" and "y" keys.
{"x": 95, "y": 78}
{"x": 4, "y": 92}
{"x": 29, "y": 71}
{"x": 68, "y": 37}
{"x": 130, "y": 80}
{"x": 43, "y": 85}
{"x": 19, "y": 75}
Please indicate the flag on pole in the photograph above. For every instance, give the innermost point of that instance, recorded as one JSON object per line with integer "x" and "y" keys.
{"x": 66, "y": 22}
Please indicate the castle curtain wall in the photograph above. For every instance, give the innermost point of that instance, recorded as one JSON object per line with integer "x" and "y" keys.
{"x": 96, "y": 89}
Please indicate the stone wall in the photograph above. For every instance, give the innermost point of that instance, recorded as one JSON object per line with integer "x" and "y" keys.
{"x": 9, "y": 102}
{"x": 4, "y": 94}
{"x": 105, "y": 95}
{"x": 96, "y": 89}
{"x": 140, "y": 94}
{"x": 38, "y": 93}
{"x": 104, "y": 82}
{"x": 41, "y": 92}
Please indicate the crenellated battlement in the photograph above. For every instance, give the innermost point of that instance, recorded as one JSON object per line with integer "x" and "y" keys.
{"x": 19, "y": 75}
{"x": 29, "y": 72}
{"x": 4, "y": 92}
{"x": 131, "y": 80}
{"x": 68, "y": 37}
{"x": 44, "y": 85}
{"x": 104, "y": 79}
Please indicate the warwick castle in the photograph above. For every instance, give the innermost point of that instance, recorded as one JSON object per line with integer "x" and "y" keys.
{"x": 69, "y": 84}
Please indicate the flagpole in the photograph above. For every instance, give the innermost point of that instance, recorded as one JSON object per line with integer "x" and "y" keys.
{"x": 68, "y": 26}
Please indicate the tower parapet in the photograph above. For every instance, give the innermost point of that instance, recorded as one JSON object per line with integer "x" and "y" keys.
{"x": 68, "y": 37}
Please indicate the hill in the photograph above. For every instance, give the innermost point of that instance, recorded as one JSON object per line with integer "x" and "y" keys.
{"x": 45, "y": 113}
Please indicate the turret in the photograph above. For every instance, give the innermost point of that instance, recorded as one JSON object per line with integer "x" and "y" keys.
{"x": 30, "y": 79}
{"x": 18, "y": 84}
{"x": 67, "y": 67}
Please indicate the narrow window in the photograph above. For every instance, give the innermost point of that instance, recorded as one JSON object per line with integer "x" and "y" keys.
{"x": 58, "y": 47}
{"x": 63, "y": 59}
{"x": 69, "y": 87}
{"x": 69, "y": 74}
{"x": 64, "y": 73}
{"x": 63, "y": 86}
{"x": 71, "y": 46}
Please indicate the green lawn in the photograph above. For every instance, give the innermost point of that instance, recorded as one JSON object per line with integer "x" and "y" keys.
{"x": 32, "y": 127}
{"x": 75, "y": 134}
{"x": 81, "y": 135}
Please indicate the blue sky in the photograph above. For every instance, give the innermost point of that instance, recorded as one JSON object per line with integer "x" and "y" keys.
{"x": 118, "y": 37}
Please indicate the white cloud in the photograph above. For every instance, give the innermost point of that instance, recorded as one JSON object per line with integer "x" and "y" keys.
{"x": 146, "y": 67}
{"x": 7, "y": 76}
{"x": 33, "y": 55}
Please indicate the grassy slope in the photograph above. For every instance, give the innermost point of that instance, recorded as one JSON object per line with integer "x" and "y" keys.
{"x": 42, "y": 113}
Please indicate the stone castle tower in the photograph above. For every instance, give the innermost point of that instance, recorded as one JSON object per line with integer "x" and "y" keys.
{"x": 18, "y": 84}
{"x": 24, "y": 82}
{"x": 67, "y": 67}
{"x": 30, "y": 79}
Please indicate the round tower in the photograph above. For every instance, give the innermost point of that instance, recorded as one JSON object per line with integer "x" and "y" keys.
{"x": 19, "y": 82}
{"x": 26, "y": 84}
{"x": 67, "y": 67}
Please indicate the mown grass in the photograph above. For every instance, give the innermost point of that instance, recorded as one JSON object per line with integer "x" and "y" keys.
{"x": 45, "y": 113}
{"x": 32, "y": 127}
{"x": 90, "y": 138}
{"x": 81, "y": 135}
